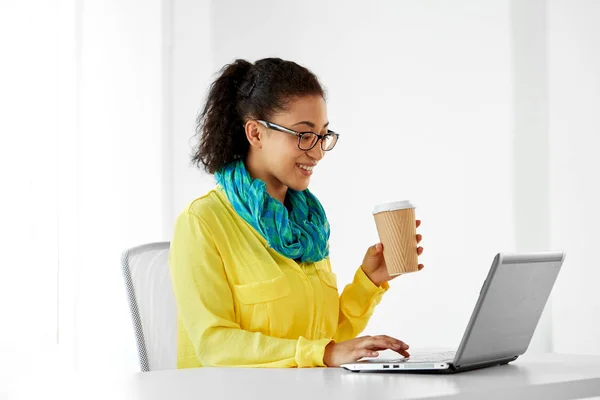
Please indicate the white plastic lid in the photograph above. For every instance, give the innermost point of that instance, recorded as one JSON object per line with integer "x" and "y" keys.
{"x": 396, "y": 205}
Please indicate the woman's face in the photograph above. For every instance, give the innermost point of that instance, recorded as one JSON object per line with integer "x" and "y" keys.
{"x": 285, "y": 162}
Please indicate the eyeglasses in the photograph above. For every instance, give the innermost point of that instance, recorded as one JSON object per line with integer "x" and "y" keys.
{"x": 307, "y": 140}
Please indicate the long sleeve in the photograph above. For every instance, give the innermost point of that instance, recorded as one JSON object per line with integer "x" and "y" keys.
{"x": 206, "y": 308}
{"x": 357, "y": 303}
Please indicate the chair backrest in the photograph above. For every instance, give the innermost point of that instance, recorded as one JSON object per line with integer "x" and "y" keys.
{"x": 152, "y": 304}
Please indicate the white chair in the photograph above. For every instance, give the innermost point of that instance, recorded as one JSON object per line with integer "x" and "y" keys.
{"x": 152, "y": 304}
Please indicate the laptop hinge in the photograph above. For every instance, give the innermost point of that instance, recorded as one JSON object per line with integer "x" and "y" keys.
{"x": 486, "y": 363}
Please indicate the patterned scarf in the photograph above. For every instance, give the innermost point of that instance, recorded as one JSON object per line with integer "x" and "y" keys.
{"x": 300, "y": 234}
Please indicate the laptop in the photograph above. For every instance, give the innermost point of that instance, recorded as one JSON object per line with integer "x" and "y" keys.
{"x": 510, "y": 304}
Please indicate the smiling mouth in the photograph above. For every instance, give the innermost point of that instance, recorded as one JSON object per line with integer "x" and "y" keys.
{"x": 305, "y": 167}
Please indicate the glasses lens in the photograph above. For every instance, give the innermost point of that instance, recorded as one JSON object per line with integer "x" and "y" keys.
{"x": 329, "y": 142}
{"x": 308, "y": 140}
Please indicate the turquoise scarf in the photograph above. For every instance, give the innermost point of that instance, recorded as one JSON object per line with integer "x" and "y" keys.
{"x": 302, "y": 233}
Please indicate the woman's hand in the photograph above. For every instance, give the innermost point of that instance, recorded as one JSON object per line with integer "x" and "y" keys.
{"x": 353, "y": 350}
{"x": 374, "y": 265}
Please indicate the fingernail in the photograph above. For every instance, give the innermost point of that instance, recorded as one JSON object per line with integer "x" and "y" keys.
{"x": 374, "y": 354}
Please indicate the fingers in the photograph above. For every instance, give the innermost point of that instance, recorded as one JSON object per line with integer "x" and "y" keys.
{"x": 374, "y": 352}
{"x": 421, "y": 266}
{"x": 360, "y": 353}
{"x": 382, "y": 342}
{"x": 419, "y": 250}
{"x": 419, "y": 238}
{"x": 418, "y": 223}
{"x": 375, "y": 249}
{"x": 369, "y": 346}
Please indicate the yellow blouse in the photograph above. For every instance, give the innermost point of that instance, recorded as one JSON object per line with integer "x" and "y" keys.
{"x": 240, "y": 303}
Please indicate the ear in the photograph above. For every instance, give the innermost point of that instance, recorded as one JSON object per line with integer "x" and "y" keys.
{"x": 254, "y": 133}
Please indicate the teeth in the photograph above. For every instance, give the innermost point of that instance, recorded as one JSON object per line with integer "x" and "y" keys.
{"x": 305, "y": 167}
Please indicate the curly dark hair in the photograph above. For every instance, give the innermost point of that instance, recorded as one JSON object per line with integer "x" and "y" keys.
{"x": 246, "y": 91}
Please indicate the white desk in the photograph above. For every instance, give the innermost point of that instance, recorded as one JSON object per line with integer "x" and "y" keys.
{"x": 548, "y": 376}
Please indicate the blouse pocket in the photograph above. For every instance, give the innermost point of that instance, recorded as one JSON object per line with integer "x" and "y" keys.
{"x": 257, "y": 299}
{"x": 263, "y": 291}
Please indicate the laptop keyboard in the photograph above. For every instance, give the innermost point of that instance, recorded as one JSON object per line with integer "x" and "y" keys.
{"x": 433, "y": 357}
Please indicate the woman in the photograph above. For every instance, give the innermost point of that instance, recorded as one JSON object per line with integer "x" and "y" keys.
{"x": 249, "y": 260}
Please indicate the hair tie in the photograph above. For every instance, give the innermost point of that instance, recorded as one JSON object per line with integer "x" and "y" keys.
{"x": 252, "y": 86}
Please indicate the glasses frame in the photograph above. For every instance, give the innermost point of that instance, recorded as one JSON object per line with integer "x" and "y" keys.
{"x": 320, "y": 137}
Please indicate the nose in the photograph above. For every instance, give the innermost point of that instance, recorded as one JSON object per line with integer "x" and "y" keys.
{"x": 316, "y": 152}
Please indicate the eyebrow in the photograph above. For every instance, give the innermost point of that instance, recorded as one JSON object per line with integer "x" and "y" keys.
{"x": 310, "y": 124}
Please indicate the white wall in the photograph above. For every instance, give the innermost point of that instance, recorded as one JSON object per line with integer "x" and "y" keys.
{"x": 29, "y": 132}
{"x": 120, "y": 183}
{"x": 574, "y": 87}
{"x": 191, "y": 71}
{"x": 530, "y": 141}
{"x": 421, "y": 92}
{"x": 86, "y": 164}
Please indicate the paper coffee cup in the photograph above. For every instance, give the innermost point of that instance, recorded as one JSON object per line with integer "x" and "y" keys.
{"x": 396, "y": 226}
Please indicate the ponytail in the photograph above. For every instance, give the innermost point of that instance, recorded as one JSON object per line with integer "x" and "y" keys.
{"x": 220, "y": 125}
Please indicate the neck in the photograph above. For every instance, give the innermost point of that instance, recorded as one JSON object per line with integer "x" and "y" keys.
{"x": 275, "y": 188}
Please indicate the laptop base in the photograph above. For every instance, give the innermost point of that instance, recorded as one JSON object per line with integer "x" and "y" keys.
{"x": 452, "y": 369}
